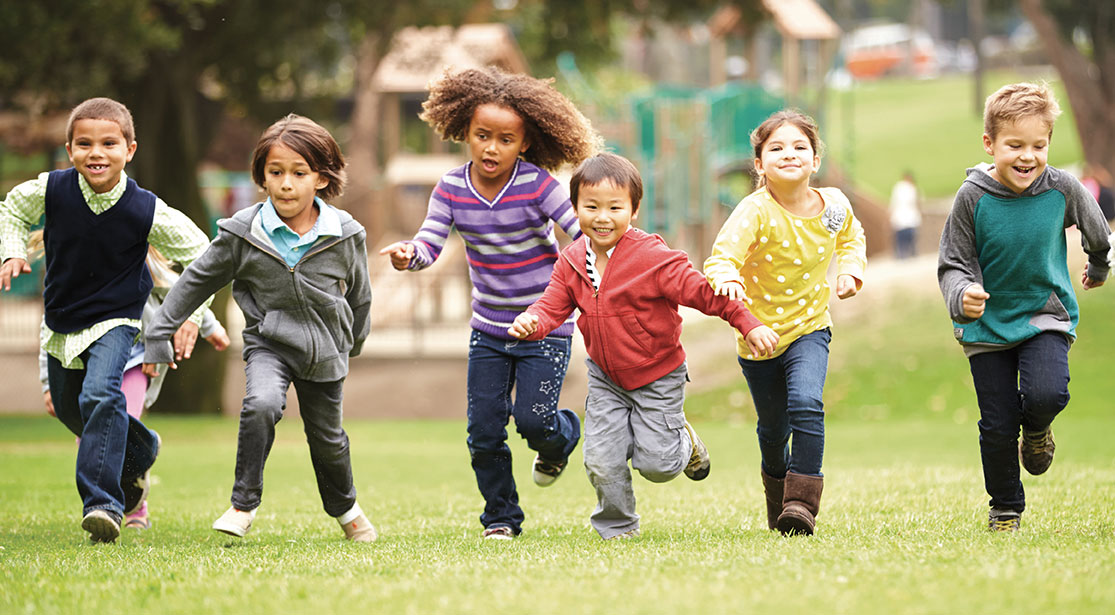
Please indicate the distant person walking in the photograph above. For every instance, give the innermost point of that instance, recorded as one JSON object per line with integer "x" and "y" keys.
{"x": 1098, "y": 181}
{"x": 905, "y": 216}
{"x": 504, "y": 204}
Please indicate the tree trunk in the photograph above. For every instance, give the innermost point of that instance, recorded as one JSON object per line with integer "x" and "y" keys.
{"x": 364, "y": 188}
{"x": 174, "y": 126}
{"x": 1084, "y": 80}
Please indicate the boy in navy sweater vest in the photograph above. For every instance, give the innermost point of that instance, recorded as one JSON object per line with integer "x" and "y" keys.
{"x": 97, "y": 227}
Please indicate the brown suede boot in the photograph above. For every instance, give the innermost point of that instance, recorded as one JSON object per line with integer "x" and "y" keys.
{"x": 773, "y": 488}
{"x": 801, "y": 503}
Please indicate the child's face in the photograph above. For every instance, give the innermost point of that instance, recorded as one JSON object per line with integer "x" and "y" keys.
{"x": 99, "y": 152}
{"x": 1019, "y": 152}
{"x": 787, "y": 157}
{"x": 496, "y": 137}
{"x": 291, "y": 184}
{"x": 605, "y": 213}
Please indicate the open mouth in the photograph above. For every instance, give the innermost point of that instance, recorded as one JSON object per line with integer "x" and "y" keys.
{"x": 489, "y": 165}
{"x": 96, "y": 168}
{"x": 1024, "y": 171}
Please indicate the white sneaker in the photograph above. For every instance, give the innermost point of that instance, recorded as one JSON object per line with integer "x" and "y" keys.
{"x": 360, "y": 529}
{"x": 101, "y": 525}
{"x": 235, "y": 522}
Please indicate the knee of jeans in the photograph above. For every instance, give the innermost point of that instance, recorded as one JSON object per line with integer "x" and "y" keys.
{"x": 773, "y": 437}
{"x": 538, "y": 423}
{"x": 1045, "y": 401}
{"x": 263, "y": 407}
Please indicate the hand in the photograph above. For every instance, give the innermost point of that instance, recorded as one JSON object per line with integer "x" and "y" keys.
{"x": 49, "y": 403}
{"x": 761, "y": 341}
{"x": 524, "y": 326}
{"x": 11, "y": 269}
{"x": 974, "y": 301}
{"x": 732, "y": 289}
{"x": 219, "y": 339}
{"x": 184, "y": 340}
{"x": 401, "y": 253}
{"x": 1088, "y": 282}
{"x": 151, "y": 370}
{"x": 846, "y": 286}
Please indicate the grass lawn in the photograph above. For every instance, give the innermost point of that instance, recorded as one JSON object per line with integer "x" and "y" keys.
{"x": 879, "y": 129}
{"x": 901, "y": 528}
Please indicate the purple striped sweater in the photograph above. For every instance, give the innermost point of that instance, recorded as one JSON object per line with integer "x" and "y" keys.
{"x": 509, "y": 242}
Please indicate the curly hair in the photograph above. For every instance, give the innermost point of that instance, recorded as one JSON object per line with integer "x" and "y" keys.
{"x": 558, "y": 133}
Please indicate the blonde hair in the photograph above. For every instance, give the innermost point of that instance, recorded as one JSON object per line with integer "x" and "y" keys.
{"x": 1015, "y": 101}
{"x": 103, "y": 109}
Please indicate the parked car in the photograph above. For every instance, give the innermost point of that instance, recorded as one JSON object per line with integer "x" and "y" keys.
{"x": 889, "y": 48}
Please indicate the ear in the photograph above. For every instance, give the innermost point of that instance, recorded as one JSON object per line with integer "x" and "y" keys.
{"x": 525, "y": 147}
{"x": 758, "y": 162}
{"x": 69, "y": 152}
{"x": 322, "y": 182}
{"x": 131, "y": 151}
{"x": 987, "y": 143}
{"x": 816, "y": 164}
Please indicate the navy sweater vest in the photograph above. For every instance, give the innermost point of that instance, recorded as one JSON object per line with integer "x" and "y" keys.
{"x": 95, "y": 264}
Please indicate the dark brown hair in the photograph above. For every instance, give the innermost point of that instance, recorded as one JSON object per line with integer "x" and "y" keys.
{"x": 803, "y": 122}
{"x": 608, "y": 167}
{"x": 310, "y": 141}
{"x": 103, "y": 109}
{"x": 557, "y": 132}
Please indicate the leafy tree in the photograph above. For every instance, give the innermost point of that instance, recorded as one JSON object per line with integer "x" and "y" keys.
{"x": 1079, "y": 36}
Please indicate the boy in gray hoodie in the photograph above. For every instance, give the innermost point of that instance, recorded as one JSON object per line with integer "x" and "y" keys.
{"x": 1003, "y": 273}
{"x": 299, "y": 272}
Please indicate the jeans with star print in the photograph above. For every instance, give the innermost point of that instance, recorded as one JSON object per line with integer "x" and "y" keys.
{"x": 535, "y": 371}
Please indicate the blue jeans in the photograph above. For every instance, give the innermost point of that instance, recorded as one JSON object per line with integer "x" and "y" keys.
{"x": 114, "y": 447}
{"x": 787, "y": 393}
{"x": 535, "y": 370}
{"x": 1024, "y": 386}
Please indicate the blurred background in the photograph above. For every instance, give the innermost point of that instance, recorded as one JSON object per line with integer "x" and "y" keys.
{"x": 897, "y": 88}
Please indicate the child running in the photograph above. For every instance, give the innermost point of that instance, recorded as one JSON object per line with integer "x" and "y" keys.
{"x": 98, "y": 225}
{"x": 504, "y": 204}
{"x": 299, "y": 272}
{"x": 774, "y": 251}
{"x": 1003, "y": 273}
{"x": 628, "y": 285}
{"x": 140, "y": 392}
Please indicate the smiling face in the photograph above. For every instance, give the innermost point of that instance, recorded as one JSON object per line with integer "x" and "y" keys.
{"x": 787, "y": 156}
{"x": 292, "y": 186}
{"x": 496, "y": 137}
{"x": 605, "y": 212}
{"x": 1019, "y": 151}
{"x": 99, "y": 151}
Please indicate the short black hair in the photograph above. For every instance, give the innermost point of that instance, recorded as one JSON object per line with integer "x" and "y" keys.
{"x": 610, "y": 167}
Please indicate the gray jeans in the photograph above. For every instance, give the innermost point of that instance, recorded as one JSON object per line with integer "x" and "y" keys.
{"x": 645, "y": 426}
{"x": 319, "y": 403}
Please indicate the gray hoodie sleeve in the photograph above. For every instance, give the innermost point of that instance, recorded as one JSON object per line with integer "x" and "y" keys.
{"x": 1082, "y": 210}
{"x": 359, "y": 296}
{"x": 204, "y": 277}
{"x": 957, "y": 260}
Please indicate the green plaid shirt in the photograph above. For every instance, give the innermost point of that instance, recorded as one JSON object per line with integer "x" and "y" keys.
{"x": 172, "y": 233}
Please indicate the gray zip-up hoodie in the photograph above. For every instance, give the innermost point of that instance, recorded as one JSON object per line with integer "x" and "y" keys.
{"x": 314, "y": 315}
{"x": 1014, "y": 246}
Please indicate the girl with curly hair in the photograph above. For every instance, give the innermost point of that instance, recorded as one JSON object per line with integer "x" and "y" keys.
{"x": 504, "y": 204}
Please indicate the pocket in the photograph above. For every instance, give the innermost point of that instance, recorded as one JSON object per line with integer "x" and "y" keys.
{"x": 285, "y": 327}
{"x": 644, "y": 341}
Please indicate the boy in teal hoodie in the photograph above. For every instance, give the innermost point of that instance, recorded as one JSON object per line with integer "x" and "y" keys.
{"x": 1003, "y": 273}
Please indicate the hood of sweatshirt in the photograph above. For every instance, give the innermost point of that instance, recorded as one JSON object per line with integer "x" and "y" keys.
{"x": 980, "y": 176}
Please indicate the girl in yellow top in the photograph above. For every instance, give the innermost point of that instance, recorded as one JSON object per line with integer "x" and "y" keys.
{"x": 774, "y": 252}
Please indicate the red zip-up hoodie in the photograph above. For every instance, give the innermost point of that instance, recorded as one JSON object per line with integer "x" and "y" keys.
{"x": 631, "y": 326}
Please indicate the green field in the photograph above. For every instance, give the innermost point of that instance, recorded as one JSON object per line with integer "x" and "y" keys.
{"x": 878, "y": 129}
{"x": 901, "y": 528}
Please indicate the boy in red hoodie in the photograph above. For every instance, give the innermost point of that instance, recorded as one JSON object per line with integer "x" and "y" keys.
{"x": 628, "y": 285}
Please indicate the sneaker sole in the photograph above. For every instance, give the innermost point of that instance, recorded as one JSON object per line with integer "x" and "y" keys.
{"x": 231, "y": 530}
{"x": 100, "y": 528}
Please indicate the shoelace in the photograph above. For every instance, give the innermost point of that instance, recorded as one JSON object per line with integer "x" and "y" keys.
{"x": 1004, "y": 525}
{"x": 1041, "y": 443}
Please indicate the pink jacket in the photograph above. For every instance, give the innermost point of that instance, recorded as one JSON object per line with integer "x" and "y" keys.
{"x": 631, "y": 326}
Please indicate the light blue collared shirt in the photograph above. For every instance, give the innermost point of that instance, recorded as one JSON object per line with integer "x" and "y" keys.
{"x": 290, "y": 245}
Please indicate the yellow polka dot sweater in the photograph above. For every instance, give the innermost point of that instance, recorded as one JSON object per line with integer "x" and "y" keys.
{"x": 782, "y": 260}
